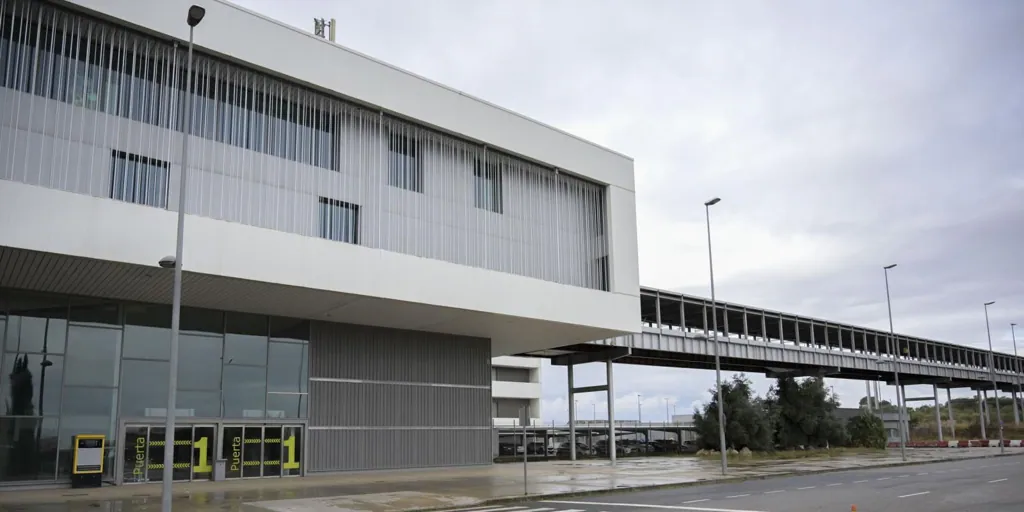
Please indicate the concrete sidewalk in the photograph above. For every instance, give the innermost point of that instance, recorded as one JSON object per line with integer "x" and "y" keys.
{"x": 395, "y": 491}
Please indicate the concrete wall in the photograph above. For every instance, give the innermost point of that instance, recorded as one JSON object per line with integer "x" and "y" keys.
{"x": 385, "y": 399}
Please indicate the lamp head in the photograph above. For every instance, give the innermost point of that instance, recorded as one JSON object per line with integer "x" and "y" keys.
{"x": 713, "y": 201}
{"x": 167, "y": 262}
{"x": 195, "y": 15}
{"x": 889, "y": 267}
{"x": 990, "y": 303}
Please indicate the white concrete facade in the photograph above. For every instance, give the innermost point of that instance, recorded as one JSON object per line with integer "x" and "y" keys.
{"x": 516, "y": 382}
{"x": 423, "y": 262}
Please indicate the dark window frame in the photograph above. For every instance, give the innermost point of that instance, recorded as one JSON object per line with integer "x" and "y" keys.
{"x": 324, "y": 227}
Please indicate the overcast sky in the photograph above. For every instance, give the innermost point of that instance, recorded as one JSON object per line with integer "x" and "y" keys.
{"x": 841, "y": 136}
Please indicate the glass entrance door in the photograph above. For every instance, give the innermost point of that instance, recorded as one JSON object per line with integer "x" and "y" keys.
{"x": 253, "y": 451}
{"x": 144, "y": 453}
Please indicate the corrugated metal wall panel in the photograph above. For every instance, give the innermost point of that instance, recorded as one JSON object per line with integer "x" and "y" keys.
{"x": 352, "y": 404}
{"x": 387, "y": 398}
{"x": 342, "y": 351}
{"x": 348, "y": 450}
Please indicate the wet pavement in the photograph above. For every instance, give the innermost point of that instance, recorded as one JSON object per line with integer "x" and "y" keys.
{"x": 394, "y": 491}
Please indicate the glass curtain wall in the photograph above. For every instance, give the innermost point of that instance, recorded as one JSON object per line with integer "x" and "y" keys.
{"x": 74, "y": 366}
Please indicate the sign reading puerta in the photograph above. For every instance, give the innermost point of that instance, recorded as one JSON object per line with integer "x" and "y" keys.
{"x": 248, "y": 451}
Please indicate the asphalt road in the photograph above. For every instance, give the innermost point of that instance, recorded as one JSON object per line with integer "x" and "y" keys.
{"x": 990, "y": 485}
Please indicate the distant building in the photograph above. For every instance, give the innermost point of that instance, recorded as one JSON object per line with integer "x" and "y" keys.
{"x": 892, "y": 421}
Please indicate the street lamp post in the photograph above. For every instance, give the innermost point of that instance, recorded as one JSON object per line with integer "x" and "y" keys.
{"x": 195, "y": 15}
{"x": 667, "y": 417}
{"x": 895, "y": 366}
{"x": 714, "y": 330}
{"x": 992, "y": 372}
{"x": 1017, "y": 406}
{"x": 639, "y": 412}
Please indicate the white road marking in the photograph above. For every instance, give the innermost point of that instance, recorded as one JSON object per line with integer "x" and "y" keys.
{"x": 649, "y": 505}
{"x": 696, "y": 501}
{"x": 903, "y": 476}
{"x": 805, "y": 488}
{"x": 940, "y": 471}
{"x": 922, "y": 474}
{"x": 774, "y": 492}
{"x": 737, "y": 496}
{"x": 537, "y": 510}
{"x": 997, "y": 481}
{"x": 915, "y": 494}
{"x": 835, "y": 484}
{"x": 860, "y": 481}
{"x": 490, "y": 509}
{"x": 885, "y": 478}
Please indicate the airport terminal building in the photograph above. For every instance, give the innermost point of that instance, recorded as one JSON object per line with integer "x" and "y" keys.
{"x": 360, "y": 242}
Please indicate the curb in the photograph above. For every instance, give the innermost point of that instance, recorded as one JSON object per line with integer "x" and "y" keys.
{"x": 680, "y": 485}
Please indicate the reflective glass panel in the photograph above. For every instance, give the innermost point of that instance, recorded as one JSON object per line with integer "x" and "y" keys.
{"x": 87, "y": 411}
{"x": 286, "y": 367}
{"x": 245, "y": 391}
{"x": 144, "y": 388}
{"x": 35, "y": 334}
{"x": 199, "y": 362}
{"x": 93, "y": 356}
{"x": 246, "y": 339}
{"x": 31, "y": 384}
{"x": 147, "y": 331}
{"x": 28, "y": 449}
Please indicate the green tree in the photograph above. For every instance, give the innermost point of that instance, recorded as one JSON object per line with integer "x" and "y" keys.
{"x": 804, "y": 414}
{"x": 866, "y": 431}
{"x": 746, "y": 423}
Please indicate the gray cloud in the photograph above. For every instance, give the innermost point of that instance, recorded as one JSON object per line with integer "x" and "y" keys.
{"x": 842, "y": 136}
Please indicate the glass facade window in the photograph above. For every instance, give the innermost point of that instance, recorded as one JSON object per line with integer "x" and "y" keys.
{"x": 339, "y": 221}
{"x": 28, "y": 449}
{"x": 62, "y": 378}
{"x": 199, "y": 362}
{"x": 145, "y": 388}
{"x": 93, "y": 357}
{"x": 138, "y": 179}
{"x": 32, "y": 384}
{"x": 487, "y": 186}
{"x": 404, "y": 169}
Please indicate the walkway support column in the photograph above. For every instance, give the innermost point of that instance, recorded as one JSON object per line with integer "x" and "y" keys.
{"x": 572, "y": 414}
{"x": 984, "y": 395}
{"x": 981, "y": 415}
{"x": 1016, "y": 414}
{"x": 901, "y": 406}
{"x": 949, "y": 411}
{"x": 867, "y": 387}
{"x": 611, "y": 414}
{"x": 938, "y": 411}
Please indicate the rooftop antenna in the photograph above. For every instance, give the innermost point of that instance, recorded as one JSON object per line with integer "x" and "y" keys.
{"x": 324, "y": 28}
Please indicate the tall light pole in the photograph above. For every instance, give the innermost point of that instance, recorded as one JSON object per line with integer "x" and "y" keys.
{"x": 195, "y": 15}
{"x": 667, "y": 417}
{"x": 1013, "y": 335}
{"x": 992, "y": 372}
{"x": 714, "y": 330}
{"x": 895, "y": 366}
{"x": 639, "y": 412}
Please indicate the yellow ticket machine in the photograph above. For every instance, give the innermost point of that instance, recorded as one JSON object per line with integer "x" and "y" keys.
{"x": 87, "y": 462}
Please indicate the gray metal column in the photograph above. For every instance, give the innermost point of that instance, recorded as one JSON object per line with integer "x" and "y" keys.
{"x": 901, "y": 408}
{"x": 938, "y": 412}
{"x": 981, "y": 415}
{"x": 949, "y": 411}
{"x": 611, "y": 413}
{"x": 984, "y": 395}
{"x": 867, "y": 386}
{"x": 1016, "y": 415}
{"x": 572, "y": 415}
